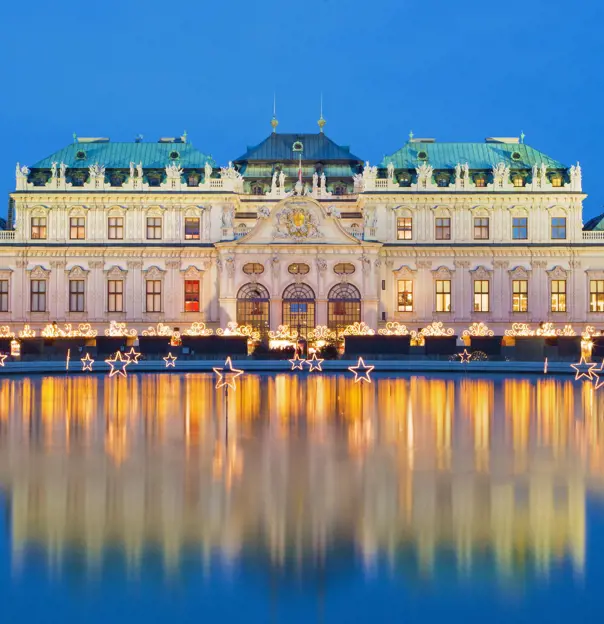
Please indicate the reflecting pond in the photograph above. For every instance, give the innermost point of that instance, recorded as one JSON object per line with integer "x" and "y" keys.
{"x": 301, "y": 499}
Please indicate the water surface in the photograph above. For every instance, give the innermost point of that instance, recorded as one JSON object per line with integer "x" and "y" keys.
{"x": 301, "y": 499}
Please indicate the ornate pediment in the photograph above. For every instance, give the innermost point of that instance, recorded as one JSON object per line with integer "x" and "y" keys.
{"x": 557, "y": 273}
{"x": 405, "y": 272}
{"x": 39, "y": 272}
{"x": 154, "y": 273}
{"x": 298, "y": 220}
{"x": 442, "y": 272}
{"x": 77, "y": 272}
{"x": 481, "y": 273}
{"x": 116, "y": 272}
{"x": 192, "y": 273}
{"x": 519, "y": 273}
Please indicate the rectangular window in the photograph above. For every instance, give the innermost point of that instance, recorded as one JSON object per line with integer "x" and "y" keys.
{"x": 153, "y": 228}
{"x": 519, "y": 228}
{"x": 405, "y": 296}
{"x": 596, "y": 295}
{"x": 153, "y": 298}
{"x": 519, "y": 295}
{"x": 77, "y": 229}
{"x": 191, "y": 228}
{"x": 481, "y": 296}
{"x": 404, "y": 228}
{"x": 191, "y": 295}
{"x": 558, "y": 296}
{"x": 38, "y": 228}
{"x": 443, "y": 295}
{"x": 115, "y": 296}
{"x": 38, "y": 296}
{"x": 481, "y": 228}
{"x": 558, "y": 228}
{"x": 3, "y": 295}
{"x": 443, "y": 228}
{"x": 76, "y": 295}
{"x": 115, "y": 228}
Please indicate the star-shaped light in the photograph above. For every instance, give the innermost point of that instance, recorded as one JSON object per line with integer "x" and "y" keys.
{"x": 2, "y": 358}
{"x": 87, "y": 362}
{"x": 227, "y": 374}
{"x": 170, "y": 360}
{"x": 314, "y": 363}
{"x": 464, "y": 357}
{"x": 361, "y": 371}
{"x": 133, "y": 356}
{"x": 297, "y": 363}
{"x": 118, "y": 365}
{"x": 589, "y": 373}
{"x": 597, "y": 375}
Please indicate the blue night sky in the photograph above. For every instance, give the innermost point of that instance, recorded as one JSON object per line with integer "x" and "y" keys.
{"x": 455, "y": 71}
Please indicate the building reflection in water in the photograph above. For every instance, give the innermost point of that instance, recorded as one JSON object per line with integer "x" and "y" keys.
{"x": 401, "y": 470}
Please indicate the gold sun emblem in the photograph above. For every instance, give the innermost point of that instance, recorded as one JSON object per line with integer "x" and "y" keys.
{"x": 298, "y": 218}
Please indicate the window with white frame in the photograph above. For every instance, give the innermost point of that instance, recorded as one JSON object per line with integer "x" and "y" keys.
{"x": 38, "y": 228}
{"x": 115, "y": 295}
{"x": 404, "y": 228}
{"x": 405, "y": 295}
{"x": 154, "y": 228}
{"x": 596, "y": 295}
{"x": 115, "y": 228}
{"x": 4, "y": 295}
{"x": 76, "y": 295}
{"x": 153, "y": 295}
{"x": 481, "y": 296}
{"x": 558, "y": 296}
{"x": 77, "y": 228}
{"x": 519, "y": 295}
{"x": 443, "y": 295}
{"x": 38, "y": 295}
{"x": 442, "y": 229}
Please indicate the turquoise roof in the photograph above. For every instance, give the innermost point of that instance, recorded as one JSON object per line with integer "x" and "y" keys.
{"x": 596, "y": 224}
{"x": 477, "y": 155}
{"x": 120, "y": 155}
{"x": 316, "y": 147}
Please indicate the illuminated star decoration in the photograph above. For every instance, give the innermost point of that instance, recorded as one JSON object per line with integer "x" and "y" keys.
{"x": 170, "y": 360}
{"x": 314, "y": 363}
{"x": 133, "y": 355}
{"x": 361, "y": 371}
{"x": 464, "y": 357}
{"x": 2, "y": 358}
{"x": 87, "y": 362}
{"x": 580, "y": 369}
{"x": 297, "y": 363}
{"x": 118, "y": 365}
{"x": 227, "y": 375}
{"x": 597, "y": 375}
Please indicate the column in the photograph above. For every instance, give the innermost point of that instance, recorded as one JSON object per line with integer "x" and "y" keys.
{"x": 461, "y": 291}
{"x": 538, "y": 292}
{"x": 57, "y": 291}
{"x": 133, "y": 297}
{"x": 173, "y": 297}
{"x": 95, "y": 291}
{"x": 501, "y": 291}
{"x": 424, "y": 286}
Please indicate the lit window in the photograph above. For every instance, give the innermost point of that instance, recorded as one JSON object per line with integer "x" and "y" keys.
{"x": 443, "y": 295}
{"x": 38, "y": 228}
{"x": 404, "y": 228}
{"x": 518, "y": 180}
{"x": 192, "y": 228}
{"x": 480, "y": 181}
{"x": 558, "y": 228}
{"x": 481, "y": 295}
{"x": 558, "y": 296}
{"x": 519, "y": 295}
{"x": 596, "y": 295}
{"x": 405, "y": 296}
{"x": 3, "y": 295}
{"x": 443, "y": 228}
{"x": 115, "y": 228}
{"x": 115, "y": 296}
{"x": 191, "y": 295}
{"x": 298, "y": 269}
{"x": 77, "y": 228}
{"x": 38, "y": 296}
{"x": 153, "y": 298}
{"x": 481, "y": 228}
{"x": 253, "y": 268}
{"x": 557, "y": 180}
{"x": 344, "y": 268}
{"x": 76, "y": 295}
{"x": 519, "y": 228}
{"x": 153, "y": 228}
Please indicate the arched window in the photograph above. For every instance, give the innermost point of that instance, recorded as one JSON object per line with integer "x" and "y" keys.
{"x": 253, "y": 305}
{"x": 257, "y": 189}
{"x": 339, "y": 189}
{"x": 343, "y": 306}
{"x": 299, "y": 308}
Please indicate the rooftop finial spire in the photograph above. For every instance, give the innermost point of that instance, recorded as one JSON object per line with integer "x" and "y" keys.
{"x": 410, "y": 135}
{"x": 522, "y": 135}
{"x": 321, "y": 121}
{"x": 274, "y": 122}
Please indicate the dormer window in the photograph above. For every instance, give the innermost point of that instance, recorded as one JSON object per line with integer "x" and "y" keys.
{"x": 339, "y": 189}
{"x": 81, "y": 155}
{"x": 174, "y": 155}
{"x": 257, "y": 189}
{"x": 557, "y": 180}
{"x": 442, "y": 180}
{"x": 518, "y": 180}
{"x": 422, "y": 155}
{"x": 480, "y": 180}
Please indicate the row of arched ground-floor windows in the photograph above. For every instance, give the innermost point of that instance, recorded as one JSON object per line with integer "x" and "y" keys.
{"x": 299, "y": 307}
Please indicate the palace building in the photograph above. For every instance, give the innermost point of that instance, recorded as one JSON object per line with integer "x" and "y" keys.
{"x": 300, "y": 231}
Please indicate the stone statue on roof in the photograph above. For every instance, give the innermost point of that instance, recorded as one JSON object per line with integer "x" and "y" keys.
{"x": 390, "y": 169}
{"x": 501, "y": 174}
{"x": 22, "y": 172}
{"x": 315, "y": 181}
{"x": 575, "y": 176}
{"x": 466, "y": 172}
{"x": 63, "y": 169}
{"x": 96, "y": 170}
{"x": 139, "y": 170}
{"x": 282, "y": 180}
{"x": 274, "y": 181}
{"x": 53, "y": 170}
{"x": 173, "y": 171}
{"x": 323, "y": 182}
{"x": 458, "y": 171}
{"x": 543, "y": 173}
{"x": 207, "y": 171}
{"x": 131, "y": 170}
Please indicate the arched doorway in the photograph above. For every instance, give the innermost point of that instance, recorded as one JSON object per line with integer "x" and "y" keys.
{"x": 299, "y": 308}
{"x": 343, "y": 306}
{"x": 253, "y": 307}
